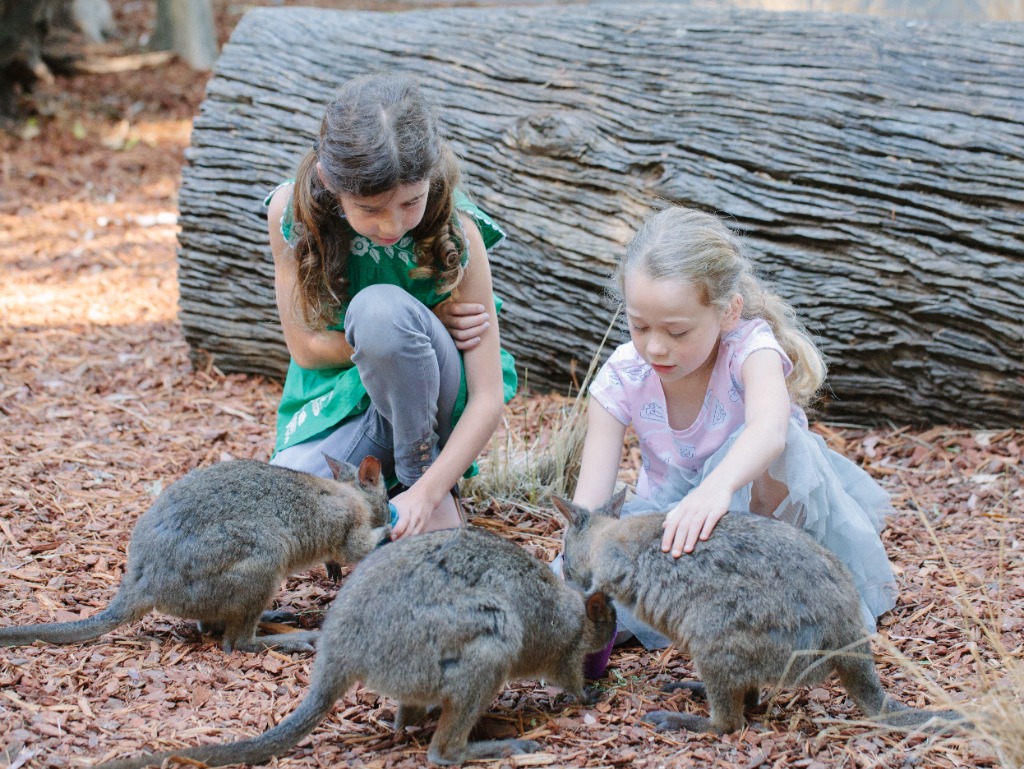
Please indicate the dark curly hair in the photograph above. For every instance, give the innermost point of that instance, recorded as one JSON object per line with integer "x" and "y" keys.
{"x": 378, "y": 133}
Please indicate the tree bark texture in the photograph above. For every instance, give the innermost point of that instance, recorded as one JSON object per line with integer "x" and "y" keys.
{"x": 874, "y": 167}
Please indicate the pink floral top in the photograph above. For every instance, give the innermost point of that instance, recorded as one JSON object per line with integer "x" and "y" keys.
{"x": 628, "y": 388}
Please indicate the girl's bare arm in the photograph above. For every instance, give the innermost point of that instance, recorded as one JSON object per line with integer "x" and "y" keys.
{"x": 310, "y": 349}
{"x": 602, "y": 453}
{"x": 761, "y": 442}
{"x": 484, "y": 403}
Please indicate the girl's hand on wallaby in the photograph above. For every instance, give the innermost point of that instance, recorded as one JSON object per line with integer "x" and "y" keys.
{"x": 465, "y": 321}
{"x": 694, "y": 518}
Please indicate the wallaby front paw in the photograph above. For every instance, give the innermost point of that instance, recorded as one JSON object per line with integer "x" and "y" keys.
{"x": 333, "y": 570}
{"x": 591, "y": 695}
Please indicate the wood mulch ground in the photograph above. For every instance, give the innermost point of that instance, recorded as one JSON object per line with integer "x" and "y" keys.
{"x": 100, "y": 409}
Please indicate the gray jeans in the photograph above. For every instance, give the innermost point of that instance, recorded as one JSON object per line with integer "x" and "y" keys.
{"x": 411, "y": 369}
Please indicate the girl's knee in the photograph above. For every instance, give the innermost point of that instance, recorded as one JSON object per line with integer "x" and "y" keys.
{"x": 378, "y": 304}
{"x": 302, "y": 459}
{"x": 381, "y": 315}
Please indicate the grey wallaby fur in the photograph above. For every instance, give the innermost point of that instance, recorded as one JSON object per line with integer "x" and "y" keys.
{"x": 216, "y": 545}
{"x": 443, "y": 618}
{"x": 759, "y": 603}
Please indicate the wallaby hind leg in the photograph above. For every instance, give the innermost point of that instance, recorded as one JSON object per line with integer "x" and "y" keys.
{"x": 217, "y": 628}
{"x": 240, "y": 633}
{"x": 726, "y": 713}
{"x": 697, "y": 689}
{"x": 459, "y": 715}
{"x": 278, "y": 615}
{"x": 299, "y": 641}
{"x": 752, "y": 698}
{"x": 412, "y": 715}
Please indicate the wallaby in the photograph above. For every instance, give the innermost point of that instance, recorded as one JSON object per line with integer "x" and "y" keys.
{"x": 216, "y": 545}
{"x": 442, "y": 618}
{"x": 760, "y": 603}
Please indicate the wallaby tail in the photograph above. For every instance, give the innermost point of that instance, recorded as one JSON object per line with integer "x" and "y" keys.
{"x": 901, "y": 716}
{"x": 860, "y": 679}
{"x": 855, "y": 665}
{"x": 122, "y": 610}
{"x": 255, "y": 750}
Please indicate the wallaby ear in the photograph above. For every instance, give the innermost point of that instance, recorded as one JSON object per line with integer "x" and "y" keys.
{"x": 341, "y": 470}
{"x": 613, "y": 507}
{"x": 369, "y": 472}
{"x": 571, "y": 513}
{"x": 599, "y": 608}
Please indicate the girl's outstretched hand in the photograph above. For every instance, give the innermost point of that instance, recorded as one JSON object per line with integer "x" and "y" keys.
{"x": 465, "y": 321}
{"x": 414, "y": 512}
{"x": 694, "y": 518}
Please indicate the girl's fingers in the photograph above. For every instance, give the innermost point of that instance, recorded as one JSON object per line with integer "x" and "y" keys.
{"x": 679, "y": 543}
{"x": 466, "y": 333}
{"x": 689, "y": 541}
{"x": 475, "y": 327}
{"x": 677, "y": 540}
{"x": 467, "y": 314}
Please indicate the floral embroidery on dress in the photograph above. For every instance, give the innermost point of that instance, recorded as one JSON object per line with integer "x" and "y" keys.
{"x": 360, "y": 246}
{"x": 403, "y": 249}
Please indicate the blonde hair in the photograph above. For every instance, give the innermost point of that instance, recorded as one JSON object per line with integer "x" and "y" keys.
{"x": 377, "y": 134}
{"x": 691, "y": 246}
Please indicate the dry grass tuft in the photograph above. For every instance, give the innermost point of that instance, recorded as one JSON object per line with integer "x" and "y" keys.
{"x": 526, "y": 468}
{"x": 992, "y": 706}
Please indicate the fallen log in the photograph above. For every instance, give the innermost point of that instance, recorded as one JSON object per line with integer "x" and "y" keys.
{"x": 875, "y": 168}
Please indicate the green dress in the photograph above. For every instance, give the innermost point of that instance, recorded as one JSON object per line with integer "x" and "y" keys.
{"x": 316, "y": 400}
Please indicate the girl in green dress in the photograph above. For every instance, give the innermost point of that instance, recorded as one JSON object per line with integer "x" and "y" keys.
{"x": 384, "y": 292}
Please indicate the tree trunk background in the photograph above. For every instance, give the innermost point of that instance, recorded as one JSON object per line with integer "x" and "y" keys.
{"x": 874, "y": 167}
{"x": 187, "y": 28}
{"x": 23, "y": 25}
